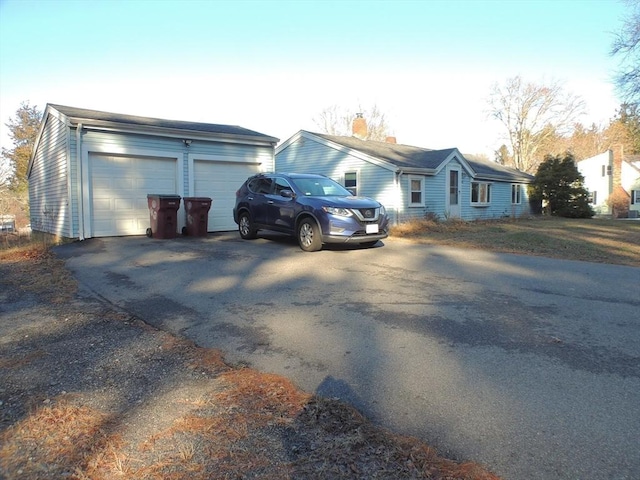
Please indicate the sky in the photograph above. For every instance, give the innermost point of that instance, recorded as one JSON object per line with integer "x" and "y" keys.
{"x": 273, "y": 66}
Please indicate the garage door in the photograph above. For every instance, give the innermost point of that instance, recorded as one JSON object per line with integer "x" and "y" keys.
{"x": 219, "y": 181}
{"x": 119, "y": 188}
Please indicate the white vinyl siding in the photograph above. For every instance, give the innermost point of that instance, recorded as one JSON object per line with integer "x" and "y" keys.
{"x": 594, "y": 170}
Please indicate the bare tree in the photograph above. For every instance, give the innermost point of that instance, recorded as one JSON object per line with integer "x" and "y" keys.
{"x": 335, "y": 120}
{"x": 532, "y": 114}
{"x": 627, "y": 44}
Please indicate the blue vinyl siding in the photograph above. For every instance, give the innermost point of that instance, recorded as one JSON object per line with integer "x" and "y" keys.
{"x": 309, "y": 156}
{"x": 60, "y": 198}
{"x": 392, "y": 188}
{"x": 48, "y": 182}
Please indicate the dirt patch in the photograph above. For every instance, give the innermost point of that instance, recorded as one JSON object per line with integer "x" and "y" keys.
{"x": 90, "y": 393}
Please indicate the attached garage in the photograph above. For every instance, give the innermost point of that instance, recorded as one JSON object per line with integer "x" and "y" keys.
{"x": 91, "y": 171}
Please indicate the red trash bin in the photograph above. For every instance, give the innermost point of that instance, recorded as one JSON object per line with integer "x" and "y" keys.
{"x": 163, "y": 213}
{"x": 197, "y": 211}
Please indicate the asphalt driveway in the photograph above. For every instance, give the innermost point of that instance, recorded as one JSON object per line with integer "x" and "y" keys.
{"x": 530, "y": 366}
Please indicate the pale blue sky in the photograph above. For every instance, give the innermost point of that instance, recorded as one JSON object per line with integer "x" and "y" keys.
{"x": 273, "y": 66}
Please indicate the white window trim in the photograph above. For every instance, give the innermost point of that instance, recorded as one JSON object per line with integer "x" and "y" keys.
{"x": 422, "y": 200}
{"x": 480, "y": 204}
{"x": 518, "y": 186}
{"x": 344, "y": 179}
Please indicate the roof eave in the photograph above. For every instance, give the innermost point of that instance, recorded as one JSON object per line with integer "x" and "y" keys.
{"x": 106, "y": 125}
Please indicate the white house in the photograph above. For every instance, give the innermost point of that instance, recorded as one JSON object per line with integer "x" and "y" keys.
{"x": 604, "y": 172}
{"x": 91, "y": 171}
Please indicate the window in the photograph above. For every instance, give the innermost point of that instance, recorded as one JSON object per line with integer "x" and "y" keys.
{"x": 592, "y": 197}
{"x": 282, "y": 184}
{"x": 609, "y": 170}
{"x": 480, "y": 193}
{"x": 261, "y": 185}
{"x": 603, "y": 170}
{"x": 351, "y": 182}
{"x": 415, "y": 191}
{"x": 516, "y": 192}
{"x": 635, "y": 197}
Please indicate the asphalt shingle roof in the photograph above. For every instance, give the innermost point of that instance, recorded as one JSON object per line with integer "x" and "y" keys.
{"x": 83, "y": 113}
{"x": 407, "y": 156}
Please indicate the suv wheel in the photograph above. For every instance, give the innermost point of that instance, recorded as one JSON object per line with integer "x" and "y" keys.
{"x": 309, "y": 236}
{"x": 247, "y": 232}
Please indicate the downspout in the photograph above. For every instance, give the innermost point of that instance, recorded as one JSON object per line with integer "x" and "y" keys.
{"x": 80, "y": 182}
{"x": 398, "y": 195}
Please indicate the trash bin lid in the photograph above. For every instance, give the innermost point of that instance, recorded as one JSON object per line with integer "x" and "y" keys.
{"x": 163, "y": 195}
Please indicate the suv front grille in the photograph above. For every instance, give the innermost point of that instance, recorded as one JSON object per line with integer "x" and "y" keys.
{"x": 367, "y": 214}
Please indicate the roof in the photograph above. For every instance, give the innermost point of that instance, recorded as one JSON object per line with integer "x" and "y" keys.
{"x": 407, "y": 156}
{"x": 83, "y": 115}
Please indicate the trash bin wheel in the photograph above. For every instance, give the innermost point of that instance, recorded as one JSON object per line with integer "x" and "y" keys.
{"x": 149, "y": 232}
{"x": 184, "y": 231}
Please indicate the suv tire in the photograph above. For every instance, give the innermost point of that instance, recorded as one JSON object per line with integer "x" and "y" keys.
{"x": 309, "y": 236}
{"x": 245, "y": 227}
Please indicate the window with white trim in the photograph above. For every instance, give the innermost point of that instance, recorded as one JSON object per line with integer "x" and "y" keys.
{"x": 416, "y": 191}
{"x": 635, "y": 197}
{"x": 516, "y": 194}
{"x": 480, "y": 193}
{"x": 351, "y": 182}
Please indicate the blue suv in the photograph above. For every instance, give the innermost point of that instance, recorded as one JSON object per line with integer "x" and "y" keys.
{"x": 313, "y": 208}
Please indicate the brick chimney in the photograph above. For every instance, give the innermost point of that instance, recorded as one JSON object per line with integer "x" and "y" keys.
{"x": 359, "y": 127}
{"x": 391, "y": 140}
{"x": 618, "y": 155}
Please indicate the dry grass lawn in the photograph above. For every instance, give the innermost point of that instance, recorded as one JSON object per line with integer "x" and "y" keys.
{"x": 591, "y": 240}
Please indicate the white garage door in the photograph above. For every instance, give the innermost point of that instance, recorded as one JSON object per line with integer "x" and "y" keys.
{"x": 119, "y": 188}
{"x": 219, "y": 181}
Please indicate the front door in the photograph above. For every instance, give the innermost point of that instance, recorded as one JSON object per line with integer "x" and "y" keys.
{"x": 453, "y": 192}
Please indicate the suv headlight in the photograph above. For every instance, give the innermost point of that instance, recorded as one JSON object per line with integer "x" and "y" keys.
{"x": 383, "y": 211}
{"x": 341, "y": 212}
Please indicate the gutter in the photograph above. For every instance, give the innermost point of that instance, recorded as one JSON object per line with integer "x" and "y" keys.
{"x": 104, "y": 125}
{"x": 80, "y": 182}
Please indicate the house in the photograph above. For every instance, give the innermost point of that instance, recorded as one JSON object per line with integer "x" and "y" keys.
{"x": 610, "y": 172}
{"x": 411, "y": 182}
{"x": 90, "y": 171}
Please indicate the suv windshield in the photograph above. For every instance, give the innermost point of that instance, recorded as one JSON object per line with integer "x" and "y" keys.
{"x": 320, "y": 187}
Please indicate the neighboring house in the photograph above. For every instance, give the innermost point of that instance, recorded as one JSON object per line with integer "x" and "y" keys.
{"x": 411, "y": 182}
{"x": 610, "y": 171}
{"x": 91, "y": 171}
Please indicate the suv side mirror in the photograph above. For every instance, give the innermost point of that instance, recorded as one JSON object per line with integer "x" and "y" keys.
{"x": 287, "y": 193}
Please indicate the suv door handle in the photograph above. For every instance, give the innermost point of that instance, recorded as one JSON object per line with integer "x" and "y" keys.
{"x": 270, "y": 202}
